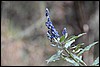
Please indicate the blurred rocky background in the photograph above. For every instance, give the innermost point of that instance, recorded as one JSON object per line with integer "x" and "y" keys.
{"x": 23, "y": 31}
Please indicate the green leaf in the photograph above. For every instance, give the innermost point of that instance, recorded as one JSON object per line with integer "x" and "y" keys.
{"x": 96, "y": 62}
{"x": 72, "y": 38}
{"x": 68, "y": 43}
{"x": 62, "y": 38}
{"x": 54, "y": 57}
{"x": 75, "y": 37}
{"x": 81, "y": 34}
{"x": 77, "y": 51}
{"x": 71, "y": 61}
{"x": 78, "y": 46}
{"x": 87, "y": 48}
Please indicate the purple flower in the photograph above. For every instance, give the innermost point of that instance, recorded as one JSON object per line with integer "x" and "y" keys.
{"x": 48, "y": 35}
{"x": 52, "y": 33}
{"x": 55, "y": 32}
{"x": 64, "y": 31}
{"x": 47, "y": 12}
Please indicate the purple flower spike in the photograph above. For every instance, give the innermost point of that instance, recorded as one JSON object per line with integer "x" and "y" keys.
{"x": 64, "y": 32}
{"x": 52, "y": 33}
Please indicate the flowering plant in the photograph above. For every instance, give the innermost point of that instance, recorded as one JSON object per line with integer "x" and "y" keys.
{"x": 66, "y": 51}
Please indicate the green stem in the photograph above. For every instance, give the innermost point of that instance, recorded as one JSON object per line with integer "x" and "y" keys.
{"x": 73, "y": 57}
{"x": 82, "y": 63}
